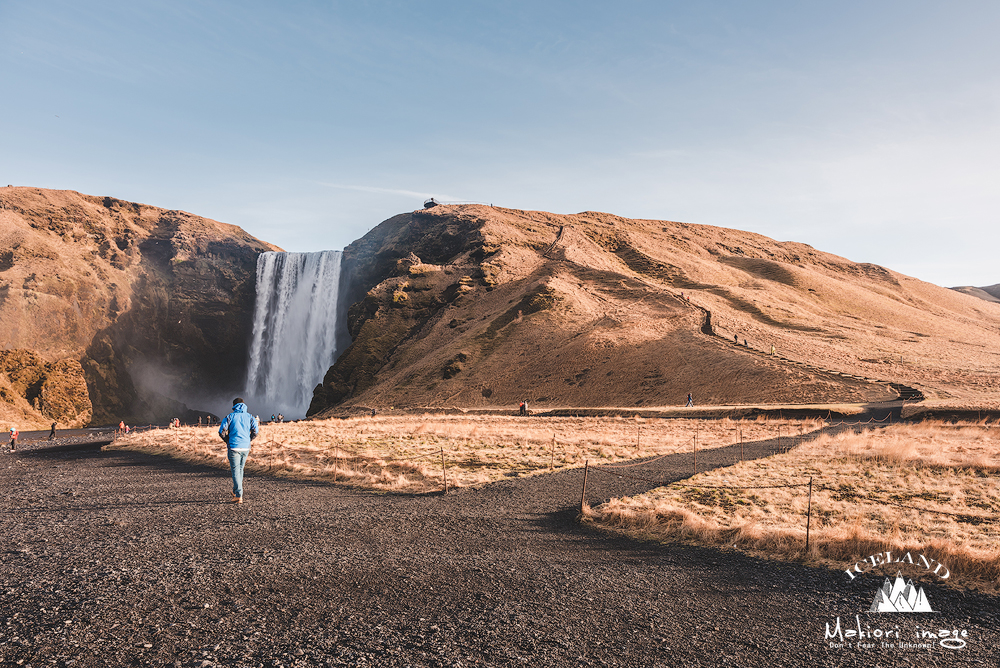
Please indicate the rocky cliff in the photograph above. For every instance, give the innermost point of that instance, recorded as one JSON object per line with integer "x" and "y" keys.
{"x": 150, "y": 307}
{"x": 476, "y": 306}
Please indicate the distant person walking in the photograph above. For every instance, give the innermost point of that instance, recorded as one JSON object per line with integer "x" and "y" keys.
{"x": 52, "y": 434}
{"x": 14, "y": 433}
{"x": 736, "y": 339}
{"x": 520, "y": 408}
{"x": 690, "y": 402}
{"x": 772, "y": 348}
{"x": 237, "y": 430}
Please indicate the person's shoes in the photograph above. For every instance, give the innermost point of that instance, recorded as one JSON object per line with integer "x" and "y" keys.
{"x": 239, "y": 499}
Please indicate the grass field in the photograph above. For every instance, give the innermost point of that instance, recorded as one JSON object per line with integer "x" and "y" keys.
{"x": 929, "y": 487}
{"x": 405, "y": 453}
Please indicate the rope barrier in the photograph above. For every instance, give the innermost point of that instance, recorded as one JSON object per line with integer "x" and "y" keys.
{"x": 680, "y": 484}
{"x": 615, "y": 470}
{"x": 628, "y": 466}
{"x": 668, "y": 483}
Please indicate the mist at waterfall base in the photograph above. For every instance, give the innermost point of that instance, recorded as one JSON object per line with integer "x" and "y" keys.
{"x": 294, "y": 331}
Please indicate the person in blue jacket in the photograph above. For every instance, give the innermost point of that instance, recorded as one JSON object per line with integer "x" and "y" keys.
{"x": 237, "y": 430}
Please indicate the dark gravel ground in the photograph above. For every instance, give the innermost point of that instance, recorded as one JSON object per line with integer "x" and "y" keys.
{"x": 122, "y": 558}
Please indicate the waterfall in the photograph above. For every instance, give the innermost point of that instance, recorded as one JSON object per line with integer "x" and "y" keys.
{"x": 294, "y": 330}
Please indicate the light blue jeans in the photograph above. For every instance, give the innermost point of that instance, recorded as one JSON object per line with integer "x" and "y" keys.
{"x": 237, "y": 460}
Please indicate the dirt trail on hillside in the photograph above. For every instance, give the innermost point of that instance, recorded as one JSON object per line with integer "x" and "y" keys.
{"x": 122, "y": 558}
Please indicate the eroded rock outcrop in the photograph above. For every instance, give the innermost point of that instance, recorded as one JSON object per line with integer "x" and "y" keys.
{"x": 37, "y": 392}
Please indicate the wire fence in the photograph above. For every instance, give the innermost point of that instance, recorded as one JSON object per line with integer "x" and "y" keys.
{"x": 346, "y": 460}
{"x": 660, "y": 482}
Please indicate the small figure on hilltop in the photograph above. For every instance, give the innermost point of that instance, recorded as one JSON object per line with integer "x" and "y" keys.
{"x": 523, "y": 408}
{"x": 52, "y": 433}
{"x": 121, "y": 427}
{"x": 13, "y": 438}
{"x": 772, "y": 348}
{"x": 237, "y": 430}
{"x": 281, "y": 418}
{"x": 745, "y": 344}
{"x": 690, "y": 401}
{"x": 736, "y": 339}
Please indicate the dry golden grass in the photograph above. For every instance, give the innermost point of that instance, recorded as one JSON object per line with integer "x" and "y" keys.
{"x": 404, "y": 453}
{"x": 872, "y": 492}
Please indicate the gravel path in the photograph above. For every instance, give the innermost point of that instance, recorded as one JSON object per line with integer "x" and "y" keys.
{"x": 123, "y": 558}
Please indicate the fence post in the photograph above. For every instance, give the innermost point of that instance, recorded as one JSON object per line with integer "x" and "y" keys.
{"x": 552, "y": 453}
{"x": 637, "y": 428}
{"x": 695, "y": 441}
{"x": 809, "y": 513}
{"x": 336, "y": 463}
{"x": 741, "y": 444}
{"x": 583, "y": 494}
{"x": 444, "y": 472}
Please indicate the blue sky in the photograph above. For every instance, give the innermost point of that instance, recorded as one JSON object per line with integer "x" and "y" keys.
{"x": 871, "y": 130}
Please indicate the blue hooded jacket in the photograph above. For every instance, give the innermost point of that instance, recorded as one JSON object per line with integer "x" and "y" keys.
{"x": 239, "y": 428}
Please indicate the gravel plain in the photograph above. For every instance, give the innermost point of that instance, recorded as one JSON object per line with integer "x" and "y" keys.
{"x": 127, "y": 559}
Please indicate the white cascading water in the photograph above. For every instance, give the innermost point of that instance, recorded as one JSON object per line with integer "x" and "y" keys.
{"x": 294, "y": 330}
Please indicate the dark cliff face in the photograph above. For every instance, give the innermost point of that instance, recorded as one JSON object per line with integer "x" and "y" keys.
{"x": 185, "y": 334}
{"x": 156, "y": 305}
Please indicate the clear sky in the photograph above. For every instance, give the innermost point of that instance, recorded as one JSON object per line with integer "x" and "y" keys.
{"x": 867, "y": 129}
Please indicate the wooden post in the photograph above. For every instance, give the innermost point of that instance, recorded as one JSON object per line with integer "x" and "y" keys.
{"x": 552, "y": 453}
{"x": 637, "y": 428}
{"x": 583, "y": 494}
{"x": 695, "y": 455}
{"x": 809, "y": 513}
{"x": 444, "y": 472}
{"x": 336, "y": 463}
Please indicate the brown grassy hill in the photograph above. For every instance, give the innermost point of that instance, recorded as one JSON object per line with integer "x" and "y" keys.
{"x": 990, "y": 293}
{"x": 150, "y": 305}
{"x": 475, "y": 306}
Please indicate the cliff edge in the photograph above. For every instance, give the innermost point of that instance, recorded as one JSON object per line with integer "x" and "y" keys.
{"x": 149, "y": 307}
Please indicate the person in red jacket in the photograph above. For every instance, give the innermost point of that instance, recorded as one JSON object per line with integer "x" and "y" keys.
{"x": 14, "y": 433}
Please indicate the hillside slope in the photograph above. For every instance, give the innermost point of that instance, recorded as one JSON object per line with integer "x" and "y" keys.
{"x": 152, "y": 306}
{"x": 476, "y": 306}
{"x": 990, "y": 293}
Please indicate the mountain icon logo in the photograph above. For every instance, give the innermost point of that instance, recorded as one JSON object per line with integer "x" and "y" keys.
{"x": 900, "y": 596}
